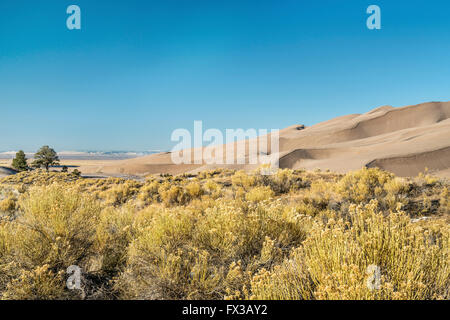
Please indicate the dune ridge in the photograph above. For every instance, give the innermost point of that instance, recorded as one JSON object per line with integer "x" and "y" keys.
{"x": 404, "y": 140}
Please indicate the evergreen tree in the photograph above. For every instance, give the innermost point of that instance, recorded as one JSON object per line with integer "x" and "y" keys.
{"x": 20, "y": 161}
{"x": 45, "y": 157}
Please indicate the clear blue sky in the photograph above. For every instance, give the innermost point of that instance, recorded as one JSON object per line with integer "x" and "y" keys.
{"x": 140, "y": 69}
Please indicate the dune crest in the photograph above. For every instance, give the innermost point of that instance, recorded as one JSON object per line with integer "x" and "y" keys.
{"x": 403, "y": 140}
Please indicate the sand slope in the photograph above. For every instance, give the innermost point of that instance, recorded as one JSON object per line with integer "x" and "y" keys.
{"x": 403, "y": 140}
{"x": 4, "y": 171}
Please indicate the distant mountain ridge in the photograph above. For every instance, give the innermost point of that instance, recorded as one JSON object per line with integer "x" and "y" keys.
{"x": 87, "y": 154}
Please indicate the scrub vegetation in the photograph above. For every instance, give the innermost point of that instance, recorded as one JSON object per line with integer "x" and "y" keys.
{"x": 224, "y": 234}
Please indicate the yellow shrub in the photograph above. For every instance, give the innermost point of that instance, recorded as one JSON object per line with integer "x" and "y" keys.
{"x": 334, "y": 261}
{"x": 242, "y": 179}
{"x": 174, "y": 195}
{"x": 426, "y": 179}
{"x": 211, "y": 186}
{"x": 287, "y": 281}
{"x": 283, "y": 181}
{"x": 54, "y": 230}
{"x": 319, "y": 196}
{"x": 259, "y": 194}
{"x": 149, "y": 192}
{"x": 8, "y": 205}
{"x": 338, "y": 254}
{"x": 194, "y": 189}
{"x": 121, "y": 193}
{"x": 58, "y": 226}
{"x": 183, "y": 254}
{"x": 115, "y": 231}
{"x": 40, "y": 283}
{"x": 159, "y": 263}
{"x": 363, "y": 185}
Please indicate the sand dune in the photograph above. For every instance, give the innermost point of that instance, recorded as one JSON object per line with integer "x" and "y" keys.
{"x": 403, "y": 140}
{"x": 404, "y": 165}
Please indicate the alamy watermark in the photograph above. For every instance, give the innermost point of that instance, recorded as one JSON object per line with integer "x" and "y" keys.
{"x": 74, "y": 20}
{"x": 74, "y": 280}
{"x": 235, "y": 147}
{"x": 374, "y": 277}
{"x": 374, "y": 20}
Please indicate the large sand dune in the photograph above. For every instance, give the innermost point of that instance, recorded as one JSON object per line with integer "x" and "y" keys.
{"x": 403, "y": 140}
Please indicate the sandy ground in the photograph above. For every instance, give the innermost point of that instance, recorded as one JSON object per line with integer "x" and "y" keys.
{"x": 71, "y": 164}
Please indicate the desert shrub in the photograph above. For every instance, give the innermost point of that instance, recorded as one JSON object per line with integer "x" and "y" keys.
{"x": 363, "y": 185}
{"x": 115, "y": 230}
{"x": 149, "y": 192}
{"x": 239, "y": 235}
{"x": 194, "y": 190}
{"x": 224, "y": 232}
{"x": 58, "y": 223}
{"x": 6, "y": 264}
{"x": 201, "y": 204}
{"x": 259, "y": 194}
{"x": 8, "y": 199}
{"x": 338, "y": 254}
{"x": 174, "y": 195}
{"x": 219, "y": 172}
{"x": 213, "y": 189}
{"x": 75, "y": 172}
{"x": 210, "y": 186}
{"x": 55, "y": 230}
{"x": 396, "y": 193}
{"x": 8, "y": 205}
{"x": 39, "y": 283}
{"x": 283, "y": 181}
{"x": 425, "y": 179}
{"x": 319, "y": 196}
{"x": 286, "y": 281}
{"x": 159, "y": 260}
{"x": 184, "y": 254}
{"x": 367, "y": 184}
{"x": 121, "y": 193}
{"x": 307, "y": 209}
{"x": 38, "y": 177}
{"x": 333, "y": 261}
{"x": 243, "y": 180}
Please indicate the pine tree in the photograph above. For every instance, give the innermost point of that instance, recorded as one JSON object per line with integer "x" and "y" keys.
{"x": 45, "y": 157}
{"x": 20, "y": 161}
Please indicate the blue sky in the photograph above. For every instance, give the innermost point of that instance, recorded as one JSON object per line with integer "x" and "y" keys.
{"x": 137, "y": 70}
